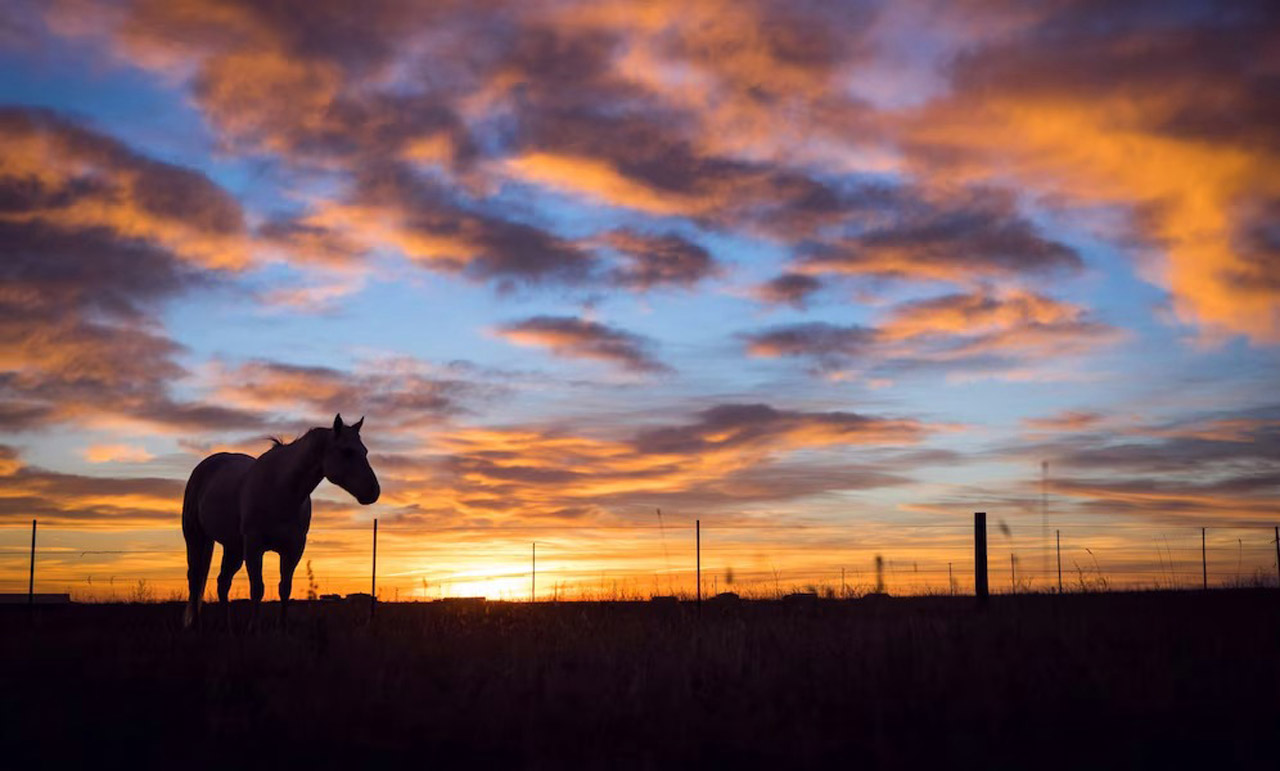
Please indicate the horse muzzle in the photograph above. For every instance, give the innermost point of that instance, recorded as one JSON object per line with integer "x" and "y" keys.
{"x": 370, "y": 496}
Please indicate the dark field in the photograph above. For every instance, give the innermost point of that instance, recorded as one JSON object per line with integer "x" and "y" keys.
{"x": 1168, "y": 680}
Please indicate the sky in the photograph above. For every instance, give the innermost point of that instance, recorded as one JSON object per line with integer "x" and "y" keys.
{"x": 828, "y": 277}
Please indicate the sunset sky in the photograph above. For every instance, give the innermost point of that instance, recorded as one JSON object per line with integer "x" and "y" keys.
{"x": 829, "y": 276}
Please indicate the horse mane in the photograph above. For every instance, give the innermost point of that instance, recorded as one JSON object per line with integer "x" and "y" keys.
{"x": 276, "y": 441}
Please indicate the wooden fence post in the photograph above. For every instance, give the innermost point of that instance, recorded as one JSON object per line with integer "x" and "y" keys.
{"x": 980, "y": 556}
{"x": 31, "y": 577}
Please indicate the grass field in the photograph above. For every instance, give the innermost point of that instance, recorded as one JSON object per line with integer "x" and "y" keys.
{"x": 1167, "y": 680}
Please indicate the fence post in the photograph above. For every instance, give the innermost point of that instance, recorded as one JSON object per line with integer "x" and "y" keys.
{"x": 697, "y": 547}
{"x": 1204, "y": 561}
{"x": 980, "y": 556}
{"x": 1058, "y": 538}
{"x": 373, "y": 581}
{"x": 31, "y": 577}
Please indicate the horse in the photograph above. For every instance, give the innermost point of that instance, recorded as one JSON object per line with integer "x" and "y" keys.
{"x": 254, "y": 505}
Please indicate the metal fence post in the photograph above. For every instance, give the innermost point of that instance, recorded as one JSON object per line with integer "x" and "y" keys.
{"x": 1058, "y": 539}
{"x": 373, "y": 581}
{"x": 697, "y": 546}
{"x": 1204, "y": 561}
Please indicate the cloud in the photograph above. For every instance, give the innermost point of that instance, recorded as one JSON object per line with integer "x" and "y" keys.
{"x": 117, "y": 453}
{"x": 1009, "y": 323}
{"x": 318, "y": 298}
{"x": 297, "y": 80}
{"x": 759, "y": 427}
{"x": 309, "y": 242}
{"x": 829, "y": 345}
{"x": 397, "y": 394}
{"x": 726, "y": 455}
{"x": 10, "y": 461}
{"x": 429, "y": 225}
{"x": 1156, "y": 108}
{"x": 575, "y": 338}
{"x": 58, "y": 499}
{"x": 95, "y": 239}
{"x": 1067, "y": 420}
{"x": 1218, "y": 467}
{"x": 747, "y": 117}
{"x": 638, "y": 162}
{"x": 792, "y": 289}
{"x": 657, "y": 260}
{"x": 64, "y": 177}
{"x": 525, "y": 86}
{"x": 969, "y": 236}
{"x": 981, "y": 331}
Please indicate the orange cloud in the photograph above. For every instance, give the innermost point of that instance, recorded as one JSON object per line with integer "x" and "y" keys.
{"x": 726, "y": 455}
{"x": 576, "y": 338}
{"x": 76, "y": 179}
{"x": 400, "y": 394}
{"x": 600, "y": 180}
{"x": 96, "y": 235}
{"x": 116, "y": 453}
{"x": 1160, "y": 115}
{"x": 959, "y": 235}
{"x": 792, "y": 289}
{"x": 1069, "y": 420}
{"x": 58, "y": 499}
{"x": 992, "y": 331}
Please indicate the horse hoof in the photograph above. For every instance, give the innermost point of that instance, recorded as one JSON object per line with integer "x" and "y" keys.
{"x": 188, "y": 618}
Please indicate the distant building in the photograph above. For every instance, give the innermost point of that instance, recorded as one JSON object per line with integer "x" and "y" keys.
{"x": 22, "y": 598}
{"x": 465, "y": 602}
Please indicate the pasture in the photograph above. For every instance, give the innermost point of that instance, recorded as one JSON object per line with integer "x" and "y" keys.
{"x": 1175, "y": 679}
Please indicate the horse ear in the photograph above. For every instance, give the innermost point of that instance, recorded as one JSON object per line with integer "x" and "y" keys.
{"x": 358, "y": 424}
{"x": 337, "y": 424}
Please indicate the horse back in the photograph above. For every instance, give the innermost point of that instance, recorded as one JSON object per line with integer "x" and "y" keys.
{"x": 212, "y": 499}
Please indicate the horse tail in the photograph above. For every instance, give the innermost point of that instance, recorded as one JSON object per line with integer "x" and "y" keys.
{"x": 199, "y": 543}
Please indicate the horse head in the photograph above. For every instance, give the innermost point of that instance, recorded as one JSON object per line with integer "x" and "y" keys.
{"x": 346, "y": 462}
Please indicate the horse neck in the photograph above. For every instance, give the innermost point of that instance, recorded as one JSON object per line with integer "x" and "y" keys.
{"x": 299, "y": 464}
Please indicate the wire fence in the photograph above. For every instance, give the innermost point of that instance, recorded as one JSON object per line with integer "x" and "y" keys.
{"x": 635, "y": 561}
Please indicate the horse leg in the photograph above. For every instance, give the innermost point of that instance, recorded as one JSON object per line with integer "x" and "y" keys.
{"x": 199, "y": 555}
{"x": 253, "y": 551}
{"x": 232, "y": 559}
{"x": 288, "y": 562}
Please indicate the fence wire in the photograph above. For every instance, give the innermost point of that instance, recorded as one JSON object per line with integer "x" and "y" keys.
{"x": 638, "y": 561}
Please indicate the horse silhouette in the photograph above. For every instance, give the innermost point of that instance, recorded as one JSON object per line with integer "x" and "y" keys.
{"x": 255, "y": 505}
